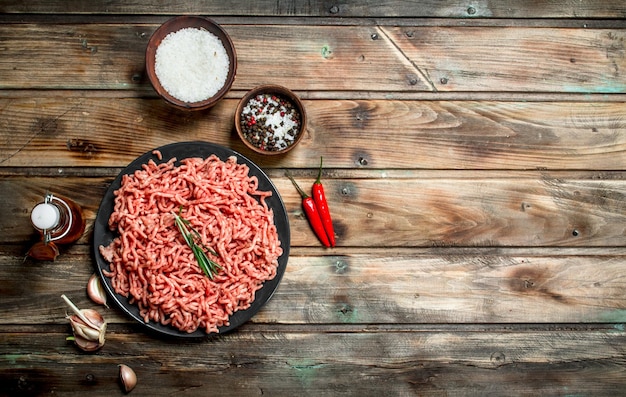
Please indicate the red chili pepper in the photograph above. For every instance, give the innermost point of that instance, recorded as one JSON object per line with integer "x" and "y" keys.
{"x": 312, "y": 214}
{"x": 322, "y": 206}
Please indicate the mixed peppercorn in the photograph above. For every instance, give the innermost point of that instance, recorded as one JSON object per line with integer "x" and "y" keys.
{"x": 270, "y": 122}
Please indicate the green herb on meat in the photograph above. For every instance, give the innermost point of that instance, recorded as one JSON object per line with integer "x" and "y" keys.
{"x": 194, "y": 241}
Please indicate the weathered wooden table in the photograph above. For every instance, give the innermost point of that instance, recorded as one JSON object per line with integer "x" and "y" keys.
{"x": 475, "y": 157}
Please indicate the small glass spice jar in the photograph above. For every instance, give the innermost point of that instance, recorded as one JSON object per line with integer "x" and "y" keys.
{"x": 59, "y": 221}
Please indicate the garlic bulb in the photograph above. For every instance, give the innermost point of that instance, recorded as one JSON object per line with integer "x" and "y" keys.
{"x": 96, "y": 291}
{"x": 88, "y": 326}
{"x": 128, "y": 378}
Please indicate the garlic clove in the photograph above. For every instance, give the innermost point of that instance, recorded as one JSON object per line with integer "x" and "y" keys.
{"x": 82, "y": 330}
{"x": 96, "y": 328}
{"x": 88, "y": 326}
{"x": 128, "y": 378}
{"x": 43, "y": 251}
{"x": 94, "y": 318}
{"x": 96, "y": 291}
{"x": 85, "y": 344}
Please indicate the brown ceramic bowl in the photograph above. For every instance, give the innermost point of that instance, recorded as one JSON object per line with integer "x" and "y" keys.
{"x": 174, "y": 25}
{"x": 264, "y": 102}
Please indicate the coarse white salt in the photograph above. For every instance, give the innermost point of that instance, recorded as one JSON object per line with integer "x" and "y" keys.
{"x": 191, "y": 64}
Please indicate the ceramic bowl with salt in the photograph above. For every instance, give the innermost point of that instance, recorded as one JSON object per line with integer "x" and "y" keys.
{"x": 191, "y": 62}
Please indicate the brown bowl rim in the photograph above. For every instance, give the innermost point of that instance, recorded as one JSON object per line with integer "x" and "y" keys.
{"x": 173, "y": 25}
{"x": 280, "y": 90}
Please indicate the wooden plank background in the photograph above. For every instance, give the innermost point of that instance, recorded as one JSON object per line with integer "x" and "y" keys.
{"x": 379, "y": 58}
{"x": 419, "y": 134}
{"x": 475, "y": 161}
{"x": 416, "y": 212}
{"x": 351, "y": 8}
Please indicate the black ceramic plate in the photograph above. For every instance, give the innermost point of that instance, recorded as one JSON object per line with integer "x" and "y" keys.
{"x": 104, "y": 236}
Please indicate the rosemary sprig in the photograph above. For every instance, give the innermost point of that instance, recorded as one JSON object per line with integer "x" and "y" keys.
{"x": 194, "y": 241}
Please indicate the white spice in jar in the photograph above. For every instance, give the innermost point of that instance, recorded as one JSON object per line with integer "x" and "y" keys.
{"x": 191, "y": 64}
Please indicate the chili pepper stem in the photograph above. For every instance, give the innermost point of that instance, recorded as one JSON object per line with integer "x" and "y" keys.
{"x": 319, "y": 173}
{"x": 302, "y": 193}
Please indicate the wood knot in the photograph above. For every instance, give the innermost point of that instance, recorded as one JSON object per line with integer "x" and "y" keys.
{"x": 498, "y": 358}
{"x": 81, "y": 146}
